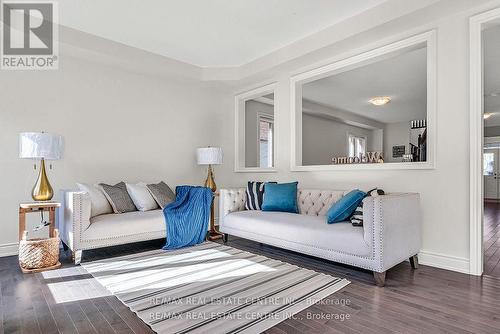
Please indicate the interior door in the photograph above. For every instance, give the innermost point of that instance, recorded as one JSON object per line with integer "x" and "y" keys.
{"x": 490, "y": 173}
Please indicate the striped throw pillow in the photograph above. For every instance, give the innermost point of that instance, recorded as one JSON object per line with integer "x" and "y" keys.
{"x": 255, "y": 195}
{"x": 357, "y": 216}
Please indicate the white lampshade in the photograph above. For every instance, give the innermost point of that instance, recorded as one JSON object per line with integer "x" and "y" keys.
{"x": 38, "y": 145}
{"x": 209, "y": 155}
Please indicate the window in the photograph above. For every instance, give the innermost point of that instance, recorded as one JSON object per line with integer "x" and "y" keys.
{"x": 357, "y": 145}
{"x": 266, "y": 124}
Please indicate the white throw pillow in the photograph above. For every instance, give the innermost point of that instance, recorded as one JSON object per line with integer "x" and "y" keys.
{"x": 141, "y": 196}
{"x": 99, "y": 202}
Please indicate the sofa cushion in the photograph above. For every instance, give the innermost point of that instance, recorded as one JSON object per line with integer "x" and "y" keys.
{"x": 99, "y": 204}
{"x": 357, "y": 216}
{"x": 343, "y": 209}
{"x": 125, "y": 224}
{"x": 118, "y": 197}
{"x": 162, "y": 193}
{"x": 255, "y": 195}
{"x": 280, "y": 197}
{"x": 302, "y": 229}
{"x": 141, "y": 196}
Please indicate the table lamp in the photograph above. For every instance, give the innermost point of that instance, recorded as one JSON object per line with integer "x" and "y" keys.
{"x": 41, "y": 146}
{"x": 210, "y": 156}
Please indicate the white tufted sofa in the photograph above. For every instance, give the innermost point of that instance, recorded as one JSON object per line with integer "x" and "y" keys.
{"x": 391, "y": 231}
{"x": 79, "y": 231}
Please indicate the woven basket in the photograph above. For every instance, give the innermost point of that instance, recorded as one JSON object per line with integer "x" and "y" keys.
{"x": 38, "y": 253}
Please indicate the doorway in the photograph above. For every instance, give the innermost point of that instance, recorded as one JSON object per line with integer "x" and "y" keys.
{"x": 484, "y": 257}
{"x": 491, "y": 153}
{"x": 491, "y": 219}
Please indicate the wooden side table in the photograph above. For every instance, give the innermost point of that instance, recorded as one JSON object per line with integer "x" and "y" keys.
{"x": 38, "y": 207}
{"x": 28, "y": 207}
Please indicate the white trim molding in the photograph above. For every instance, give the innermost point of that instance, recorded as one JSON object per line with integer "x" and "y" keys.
{"x": 447, "y": 262}
{"x": 9, "y": 249}
{"x": 476, "y": 123}
{"x": 385, "y": 50}
{"x": 239, "y": 128}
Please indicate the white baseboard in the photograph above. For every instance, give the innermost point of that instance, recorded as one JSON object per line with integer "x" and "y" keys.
{"x": 448, "y": 262}
{"x": 9, "y": 249}
{"x": 427, "y": 258}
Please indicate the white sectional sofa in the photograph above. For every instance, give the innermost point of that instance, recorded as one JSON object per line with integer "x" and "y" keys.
{"x": 80, "y": 232}
{"x": 391, "y": 232}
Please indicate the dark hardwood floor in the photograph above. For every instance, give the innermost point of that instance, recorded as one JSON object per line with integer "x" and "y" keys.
{"x": 426, "y": 300}
{"x": 491, "y": 232}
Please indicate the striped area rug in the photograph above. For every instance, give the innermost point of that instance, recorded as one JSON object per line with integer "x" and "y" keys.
{"x": 211, "y": 288}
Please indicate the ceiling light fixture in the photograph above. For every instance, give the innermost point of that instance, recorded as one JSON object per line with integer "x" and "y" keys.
{"x": 380, "y": 100}
{"x": 487, "y": 115}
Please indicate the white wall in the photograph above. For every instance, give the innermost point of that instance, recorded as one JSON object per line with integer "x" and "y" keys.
{"x": 444, "y": 190}
{"x": 117, "y": 125}
{"x": 323, "y": 139}
{"x": 491, "y": 131}
{"x": 252, "y": 110}
{"x": 396, "y": 134}
{"x": 376, "y": 140}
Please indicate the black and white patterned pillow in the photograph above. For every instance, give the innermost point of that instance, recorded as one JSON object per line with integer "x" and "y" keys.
{"x": 255, "y": 195}
{"x": 357, "y": 216}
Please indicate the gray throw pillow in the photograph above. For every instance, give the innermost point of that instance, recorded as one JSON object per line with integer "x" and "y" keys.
{"x": 118, "y": 197}
{"x": 162, "y": 193}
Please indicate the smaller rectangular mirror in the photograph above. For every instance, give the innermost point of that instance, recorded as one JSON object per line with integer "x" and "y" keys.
{"x": 255, "y": 130}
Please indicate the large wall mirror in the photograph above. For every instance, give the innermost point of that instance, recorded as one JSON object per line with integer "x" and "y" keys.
{"x": 255, "y": 130}
{"x": 374, "y": 110}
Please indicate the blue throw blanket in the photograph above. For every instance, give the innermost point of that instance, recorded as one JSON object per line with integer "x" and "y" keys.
{"x": 187, "y": 217}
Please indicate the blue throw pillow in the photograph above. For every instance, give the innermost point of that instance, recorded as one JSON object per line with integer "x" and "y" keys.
{"x": 280, "y": 197}
{"x": 344, "y": 207}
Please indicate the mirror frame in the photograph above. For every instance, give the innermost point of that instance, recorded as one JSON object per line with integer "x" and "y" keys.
{"x": 296, "y": 82}
{"x": 239, "y": 129}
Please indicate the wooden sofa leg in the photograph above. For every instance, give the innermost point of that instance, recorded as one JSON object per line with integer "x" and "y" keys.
{"x": 76, "y": 257}
{"x": 379, "y": 278}
{"x": 414, "y": 261}
{"x": 225, "y": 237}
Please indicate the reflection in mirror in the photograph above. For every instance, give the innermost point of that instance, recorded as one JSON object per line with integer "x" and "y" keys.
{"x": 259, "y": 130}
{"x": 373, "y": 112}
{"x": 255, "y": 144}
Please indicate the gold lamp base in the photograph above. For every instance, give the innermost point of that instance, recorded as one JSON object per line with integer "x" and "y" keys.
{"x": 213, "y": 234}
{"x": 210, "y": 182}
{"x": 42, "y": 191}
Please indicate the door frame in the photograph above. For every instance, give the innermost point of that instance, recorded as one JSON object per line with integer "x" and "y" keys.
{"x": 476, "y": 24}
